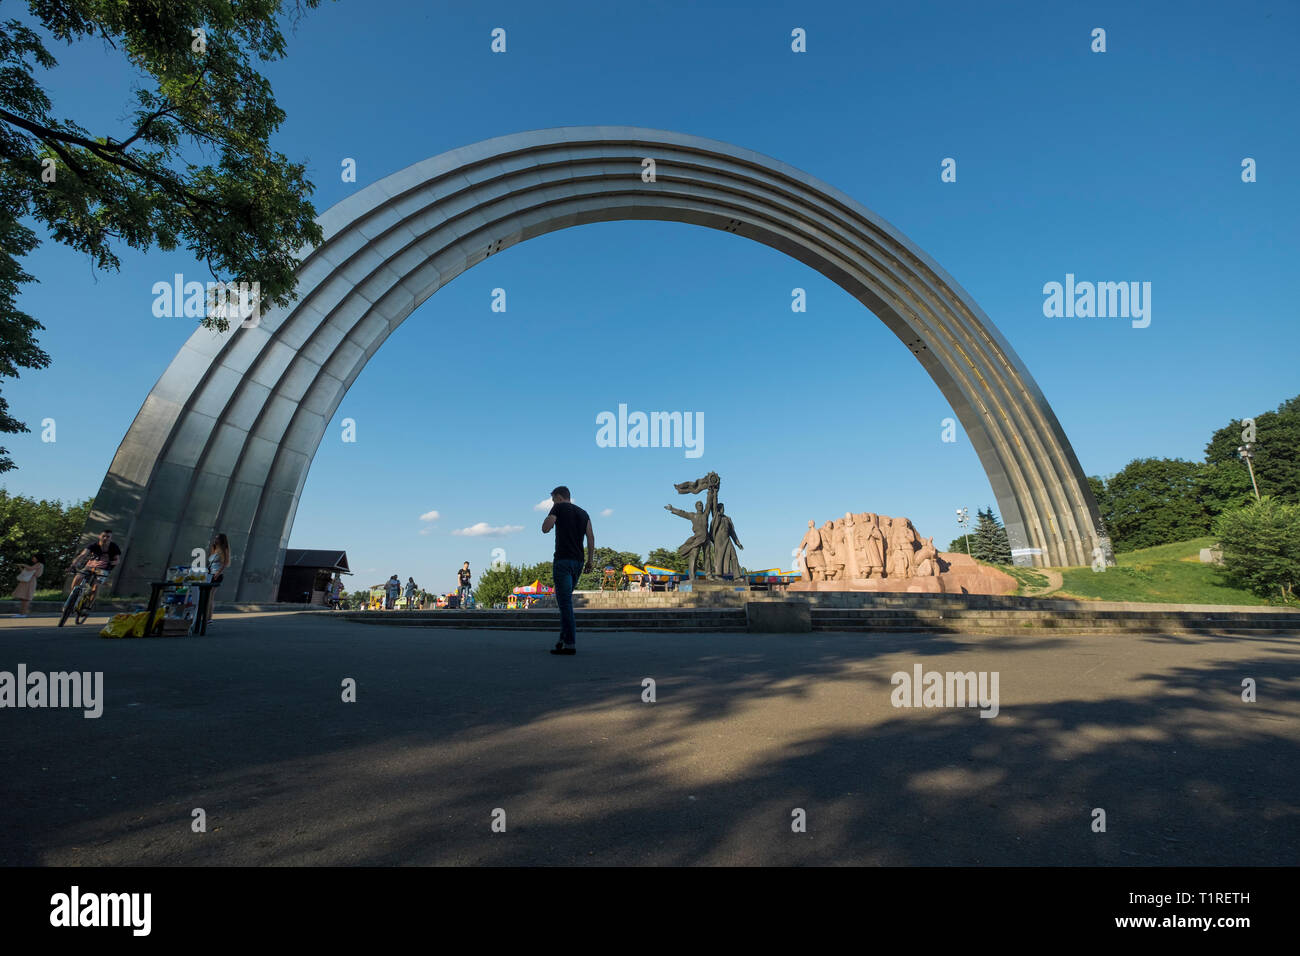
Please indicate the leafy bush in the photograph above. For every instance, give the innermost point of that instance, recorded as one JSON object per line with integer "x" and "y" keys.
{"x": 1261, "y": 547}
{"x": 497, "y": 583}
{"x": 29, "y": 526}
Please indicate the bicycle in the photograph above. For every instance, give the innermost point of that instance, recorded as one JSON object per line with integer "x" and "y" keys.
{"x": 81, "y": 601}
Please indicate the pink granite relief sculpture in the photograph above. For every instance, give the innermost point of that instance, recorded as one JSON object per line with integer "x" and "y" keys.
{"x": 873, "y": 552}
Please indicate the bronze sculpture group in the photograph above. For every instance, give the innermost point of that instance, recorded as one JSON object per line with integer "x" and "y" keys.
{"x": 713, "y": 539}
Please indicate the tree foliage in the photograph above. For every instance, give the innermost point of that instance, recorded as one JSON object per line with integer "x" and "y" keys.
{"x": 988, "y": 540}
{"x": 29, "y": 526}
{"x": 1276, "y": 450}
{"x": 191, "y": 168}
{"x": 1159, "y": 500}
{"x": 667, "y": 558}
{"x": 1261, "y": 547}
{"x": 1154, "y": 501}
{"x": 496, "y": 583}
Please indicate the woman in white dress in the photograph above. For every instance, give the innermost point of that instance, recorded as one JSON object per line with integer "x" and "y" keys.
{"x": 218, "y": 561}
{"x": 28, "y": 575}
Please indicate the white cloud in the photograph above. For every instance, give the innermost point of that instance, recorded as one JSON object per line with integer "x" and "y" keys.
{"x": 544, "y": 504}
{"x": 607, "y": 512}
{"x": 485, "y": 530}
{"x": 429, "y": 516}
{"x": 427, "y": 530}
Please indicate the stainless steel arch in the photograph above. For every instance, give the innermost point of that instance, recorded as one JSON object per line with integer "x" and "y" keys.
{"x": 225, "y": 438}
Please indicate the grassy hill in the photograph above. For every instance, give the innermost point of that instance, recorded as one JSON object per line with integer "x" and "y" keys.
{"x": 1165, "y": 574}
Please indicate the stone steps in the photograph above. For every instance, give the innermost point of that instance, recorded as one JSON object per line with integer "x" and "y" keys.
{"x": 1076, "y": 620}
{"x": 919, "y": 602}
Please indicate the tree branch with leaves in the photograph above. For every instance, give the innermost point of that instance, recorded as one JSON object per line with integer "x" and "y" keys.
{"x": 194, "y": 169}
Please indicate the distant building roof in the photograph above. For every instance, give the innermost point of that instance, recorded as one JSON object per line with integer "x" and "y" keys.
{"x": 318, "y": 558}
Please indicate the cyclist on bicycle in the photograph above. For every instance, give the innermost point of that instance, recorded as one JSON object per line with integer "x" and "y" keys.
{"x": 101, "y": 555}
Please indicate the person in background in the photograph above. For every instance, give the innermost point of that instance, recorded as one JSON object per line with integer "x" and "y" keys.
{"x": 411, "y": 589}
{"x": 571, "y": 523}
{"x": 218, "y": 561}
{"x": 466, "y": 577}
{"x": 392, "y": 588}
{"x": 28, "y": 575}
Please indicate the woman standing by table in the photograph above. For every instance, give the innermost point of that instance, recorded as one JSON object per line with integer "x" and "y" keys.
{"x": 218, "y": 561}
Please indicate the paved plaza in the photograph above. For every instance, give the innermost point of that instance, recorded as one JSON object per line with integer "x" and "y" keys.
{"x": 449, "y": 726}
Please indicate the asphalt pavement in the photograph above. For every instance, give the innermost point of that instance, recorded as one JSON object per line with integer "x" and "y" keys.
{"x": 478, "y": 747}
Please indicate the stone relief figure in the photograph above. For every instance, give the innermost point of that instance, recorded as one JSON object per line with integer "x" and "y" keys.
{"x": 859, "y": 546}
{"x": 850, "y": 548}
{"x": 834, "y": 562}
{"x": 927, "y": 560}
{"x": 901, "y": 550}
{"x": 814, "y": 557}
{"x": 873, "y": 565}
{"x": 869, "y": 552}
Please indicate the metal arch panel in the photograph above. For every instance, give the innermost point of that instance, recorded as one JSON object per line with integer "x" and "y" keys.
{"x": 228, "y": 433}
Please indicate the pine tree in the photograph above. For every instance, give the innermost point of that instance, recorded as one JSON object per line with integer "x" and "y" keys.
{"x": 989, "y": 540}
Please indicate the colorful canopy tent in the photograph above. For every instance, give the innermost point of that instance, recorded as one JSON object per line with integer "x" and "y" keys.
{"x": 537, "y": 587}
{"x": 773, "y": 576}
{"x": 658, "y": 572}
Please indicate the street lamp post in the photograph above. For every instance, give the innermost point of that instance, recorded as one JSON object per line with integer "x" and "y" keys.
{"x": 963, "y": 520}
{"x": 1247, "y": 451}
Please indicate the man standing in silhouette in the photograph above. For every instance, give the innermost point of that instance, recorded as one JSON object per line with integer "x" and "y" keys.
{"x": 571, "y": 523}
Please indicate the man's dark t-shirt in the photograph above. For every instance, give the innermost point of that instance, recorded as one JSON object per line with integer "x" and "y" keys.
{"x": 95, "y": 553}
{"x": 570, "y": 531}
{"x": 465, "y": 576}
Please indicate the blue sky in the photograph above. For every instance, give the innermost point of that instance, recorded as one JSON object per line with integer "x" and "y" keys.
{"x": 1118, "y": 166}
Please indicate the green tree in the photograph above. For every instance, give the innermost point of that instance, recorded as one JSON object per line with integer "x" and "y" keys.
{"x": 1155, "y": 501}
{"x": 1261, "y": 547}
{"x": 1276, "y": 449}
{"x": 667, "y": 558}
{"x": 989, "y": 541}
{"x": 28, "y": 526}
{"x": 244, "y": 214}
{"x": 497, "y": 583}
{"x": 1224, "y": 486}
